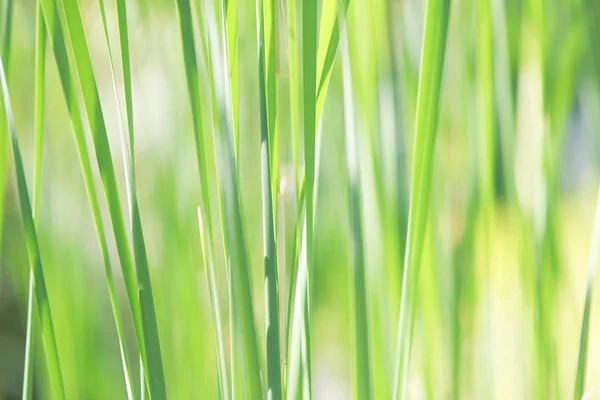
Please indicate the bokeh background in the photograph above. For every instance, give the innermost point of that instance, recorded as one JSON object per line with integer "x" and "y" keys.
{"x": 476, "y": 331}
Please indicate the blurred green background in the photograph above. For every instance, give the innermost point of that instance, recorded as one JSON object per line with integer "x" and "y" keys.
{"x": 476, "y": 332}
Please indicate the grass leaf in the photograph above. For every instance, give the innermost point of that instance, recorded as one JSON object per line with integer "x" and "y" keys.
{"x": 33, "y": 250}
{"x": 432, "y": 62}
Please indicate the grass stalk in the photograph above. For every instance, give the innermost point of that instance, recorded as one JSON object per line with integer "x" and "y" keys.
{"x": 40, "y": 64}
{"x": 362, "y": 377}
{"x": 432, "y": 61}
{"x": 585, "y": 324}
{"x": 33, "y": 251}
{"x": 265, "y": 10}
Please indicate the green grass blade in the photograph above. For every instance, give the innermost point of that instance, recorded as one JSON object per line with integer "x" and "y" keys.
{"x": 35, "y": 260}
{"x": 192, "y": 78}
{"x": 40, "y": 63}
{"x": 432, "y": 61}
{"x": 232, "y": 51}
{"x": 5, "y": 51}
{"x": 126, "y": 65}
{"x": 362, "y": 371}
{"x": 329, "y": 38}
{"x": 267, "y": 101}
{"x": 309, "y": 81}
{"x": 585, "y": 324}
{"x": 294, "y": 88}
{"x": 207, "y": 259}
{"x": 245, "y": 375}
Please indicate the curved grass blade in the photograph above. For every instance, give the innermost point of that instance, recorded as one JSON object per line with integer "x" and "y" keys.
{"x": 207, "y": 259}
{"x": 585, "y": 324}
{"x": 40, "y": 64}
{"x": 268, "y": 121}
{"x": 432, "y": 61}
{"x": 140, "y": 298}
{"x": 362, "y": 371}
{"x": 35, "y": 260}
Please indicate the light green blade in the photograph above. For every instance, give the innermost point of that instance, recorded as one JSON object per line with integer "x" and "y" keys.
{"x": 35, "y": 260}
{"x": 432, "y": 61}
{"x": 585, "y": 324}
{"x": 268, "y": 121}
{"x": 362, "y": 371}
{"x": 207, "y": 260}
{"x": 40, "y": 63}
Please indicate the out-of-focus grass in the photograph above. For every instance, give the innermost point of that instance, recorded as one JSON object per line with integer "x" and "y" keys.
{"x": 254, "y": 157}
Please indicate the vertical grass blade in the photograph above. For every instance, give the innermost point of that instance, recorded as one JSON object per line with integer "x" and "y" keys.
{"x": 5, "y": 51}
{"x": 362, "y": 371}
{"x": 309, "y": 80}
{"x": 232, "y": 51}
{"x": 585, "y": 324}
{"x": 267, "y": 101}
{"x": 40, "y": 63}
{"x": 192, "y": 78}
{"x": 33, "y": 250}
{"x": 207, "y": 259}
{"x": 432, "y": 62}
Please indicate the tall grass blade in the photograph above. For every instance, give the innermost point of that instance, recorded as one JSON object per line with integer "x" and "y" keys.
{"x": 309, "y": 81}
{"x": 432, "y": 62}
{"x": 585, "y": 324}
{"x": 267, "y": 101}
{"x": 362, "y": 370}
{"x": 6, "y": 20}
{"x": 40, "y": 64}
{"x": 207, "y": 259}
{"x": 33, "y": 250}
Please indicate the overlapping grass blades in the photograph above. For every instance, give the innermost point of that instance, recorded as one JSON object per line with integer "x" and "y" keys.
{"x": 144, "y": 315}
{"x": 33, "y": 251}
{"x": 150, "y": 352}
{"x": 245, "y": 372}
{"x": 432, "y": 61}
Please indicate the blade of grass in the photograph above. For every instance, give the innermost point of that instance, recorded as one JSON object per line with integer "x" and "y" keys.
{"x": 245, "y": 363}
{"x": 309, "y": 80}
{"x": 33, "y": 250}
{"x": 585, "y": 324}
{"x": 140, "y": 297}
{"x": 267, "y": 100}
{"x": 207, "y": 259}
{"x": 232, "y": 51}
{"x": 432, "y": 61}
{"x": 40, "y": 64}
{"x": 362, "y": 377}
{"x": 5, "y": 51}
